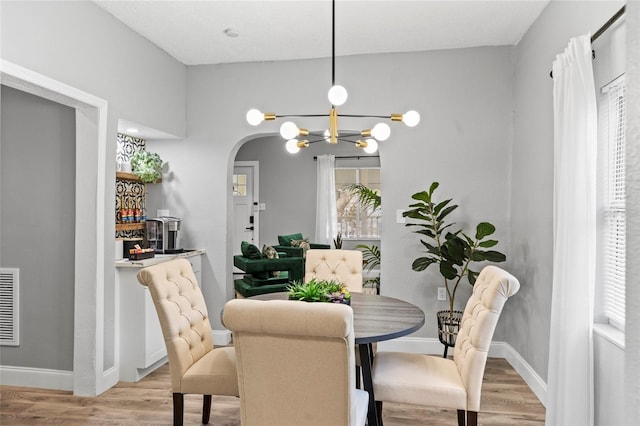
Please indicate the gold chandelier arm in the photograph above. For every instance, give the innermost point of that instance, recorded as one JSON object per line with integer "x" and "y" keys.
{"x": 333, "y": 126}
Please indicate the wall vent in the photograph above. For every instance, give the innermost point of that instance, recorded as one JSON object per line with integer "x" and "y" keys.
{"x": 9, "y": 304}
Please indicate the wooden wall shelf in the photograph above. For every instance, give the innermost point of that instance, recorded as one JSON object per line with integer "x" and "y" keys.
{"x": 129, "y": 226}
{"x": 127, "y": 176}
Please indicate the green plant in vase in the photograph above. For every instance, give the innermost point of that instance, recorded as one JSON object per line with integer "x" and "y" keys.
{"x": 371, "y": 259}
{"x": 147, "y": 166}
{"x": 371, "y": 200}
{"x": 453, "y": 251}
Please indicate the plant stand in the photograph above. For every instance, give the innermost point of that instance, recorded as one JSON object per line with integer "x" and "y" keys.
{"x": 448, "y": 326}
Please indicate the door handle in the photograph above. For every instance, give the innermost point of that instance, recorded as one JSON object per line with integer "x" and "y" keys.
{"x": 250, "y": 228}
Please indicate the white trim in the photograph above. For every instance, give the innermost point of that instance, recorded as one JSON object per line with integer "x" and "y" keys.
{"x": 91, "y": 136}
{"x": 522, "y": 367}
{"x": 433, "y": 346}
{"x": 610, "y": 333}
{"x": 36, "y": 378}
{"x": 221, "y": 337}
{"x": 256, "y": 196}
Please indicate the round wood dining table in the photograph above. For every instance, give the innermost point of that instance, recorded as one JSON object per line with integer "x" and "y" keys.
{"x": 375, "y": 318}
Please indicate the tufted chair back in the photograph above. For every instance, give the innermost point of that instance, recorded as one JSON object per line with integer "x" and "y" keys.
{"x": 344, "y": 266}
{"x": 491, "y": 290}
{"x": 295, "y": 363}
{"x": 182, "y": 312}
{"x": 196, "y": 366}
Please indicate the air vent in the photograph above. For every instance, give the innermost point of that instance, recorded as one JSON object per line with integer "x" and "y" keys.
{"x": 9, "y": 314}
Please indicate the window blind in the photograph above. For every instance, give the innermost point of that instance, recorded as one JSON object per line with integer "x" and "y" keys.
{"x": 614, "y": 238}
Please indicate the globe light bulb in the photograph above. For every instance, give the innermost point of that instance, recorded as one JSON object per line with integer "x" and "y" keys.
{"x": 411, "y": 118}
{"x": 289, "y": 130}
{"x": 337, "y": 95}
{"x": 254, "y": 117}
{"x": 381, "y": 131}
{"x": 292, "y": 146}
{"x": 372, "y": 146}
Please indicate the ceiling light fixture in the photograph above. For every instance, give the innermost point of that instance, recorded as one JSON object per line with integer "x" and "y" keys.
{"x": 367, "y": 139}
{"x": 231, "y": 32}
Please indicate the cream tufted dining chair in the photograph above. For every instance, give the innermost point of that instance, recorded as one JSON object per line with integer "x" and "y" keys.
{"x": 195, "y": 366}
{"x": 343, "y": 266}
{"x": 450, "y": 383}
{"x": 295, "y": 363}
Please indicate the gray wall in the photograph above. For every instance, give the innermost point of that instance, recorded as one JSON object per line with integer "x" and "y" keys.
{"x": 532, "y": 179}
{"x": 82, "y": 46}
{"x": 464, "y": 97}
{"x": 498, "y": 168}
{"x": 37, "y": 219}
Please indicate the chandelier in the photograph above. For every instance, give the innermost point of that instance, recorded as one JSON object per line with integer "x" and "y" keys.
{"x": 366, "y": 139}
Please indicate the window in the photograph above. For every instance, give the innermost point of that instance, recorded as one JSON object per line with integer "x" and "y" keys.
{"x": 354, "y": 220}
{"x": 239, "y": 185}
{"x": 614, "y": 212}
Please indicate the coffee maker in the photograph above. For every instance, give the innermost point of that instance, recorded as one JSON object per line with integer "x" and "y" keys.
{"x": 163, "y": 234}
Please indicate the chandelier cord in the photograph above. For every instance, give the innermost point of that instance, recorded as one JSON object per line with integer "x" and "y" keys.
{"x": 333, "y": 43}
{"x": 366, "y": 139}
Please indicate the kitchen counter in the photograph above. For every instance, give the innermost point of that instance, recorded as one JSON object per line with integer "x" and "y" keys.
{"x": 159, "y": 258}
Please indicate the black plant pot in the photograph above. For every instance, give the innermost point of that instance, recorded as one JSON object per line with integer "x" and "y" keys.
{"x": 448, "y": 326}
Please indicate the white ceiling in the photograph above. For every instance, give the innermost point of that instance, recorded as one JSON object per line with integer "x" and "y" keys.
{"x": 193, "y": 31}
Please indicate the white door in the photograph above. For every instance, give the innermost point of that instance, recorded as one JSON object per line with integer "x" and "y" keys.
{"x": 245, "y": 204}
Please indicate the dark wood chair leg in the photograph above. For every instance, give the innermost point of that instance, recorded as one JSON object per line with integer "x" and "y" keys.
{"x": 358, "y": 377}
{"x": 379, "y": 408}
{"x": 178, "y": 408}
{"x": 461, "y": 418}
{"x": 472, "y": 418}
{"x": 206, "y": 409}
{"x": 446, "y": 349}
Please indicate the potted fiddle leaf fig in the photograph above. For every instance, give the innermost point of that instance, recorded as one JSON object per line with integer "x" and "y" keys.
{"x": 453, "y": 251}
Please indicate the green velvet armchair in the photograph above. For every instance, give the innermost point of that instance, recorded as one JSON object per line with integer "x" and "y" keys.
{"x": 286, "y": 245}
{"x": 258, "y": 278}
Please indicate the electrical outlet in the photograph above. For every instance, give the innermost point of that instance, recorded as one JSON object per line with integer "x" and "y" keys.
{"x": 442, "y": 293}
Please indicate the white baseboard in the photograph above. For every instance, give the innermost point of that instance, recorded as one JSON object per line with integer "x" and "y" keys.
{"x": 36, "y": 378}
{"x": 110, "y": 378}
{"x": 63, "y": 380}
{"x": 221, "y": 337}
{"x": 433, "y": 346}
{"x": 522, "y": 367}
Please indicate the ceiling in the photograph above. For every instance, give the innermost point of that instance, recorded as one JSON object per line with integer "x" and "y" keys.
{"x": 193, "y": 32}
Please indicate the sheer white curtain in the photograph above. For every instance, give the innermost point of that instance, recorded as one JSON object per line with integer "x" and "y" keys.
{"x": 326, "y": 212}
{"x": 570, "y": 379}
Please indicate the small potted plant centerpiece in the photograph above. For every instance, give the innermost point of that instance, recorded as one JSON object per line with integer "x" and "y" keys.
{"x": 452, "y": 250}
{"x": 319, "y": 291}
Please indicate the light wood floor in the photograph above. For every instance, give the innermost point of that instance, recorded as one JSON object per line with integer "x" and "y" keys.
{"x": 506, "y": 400}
